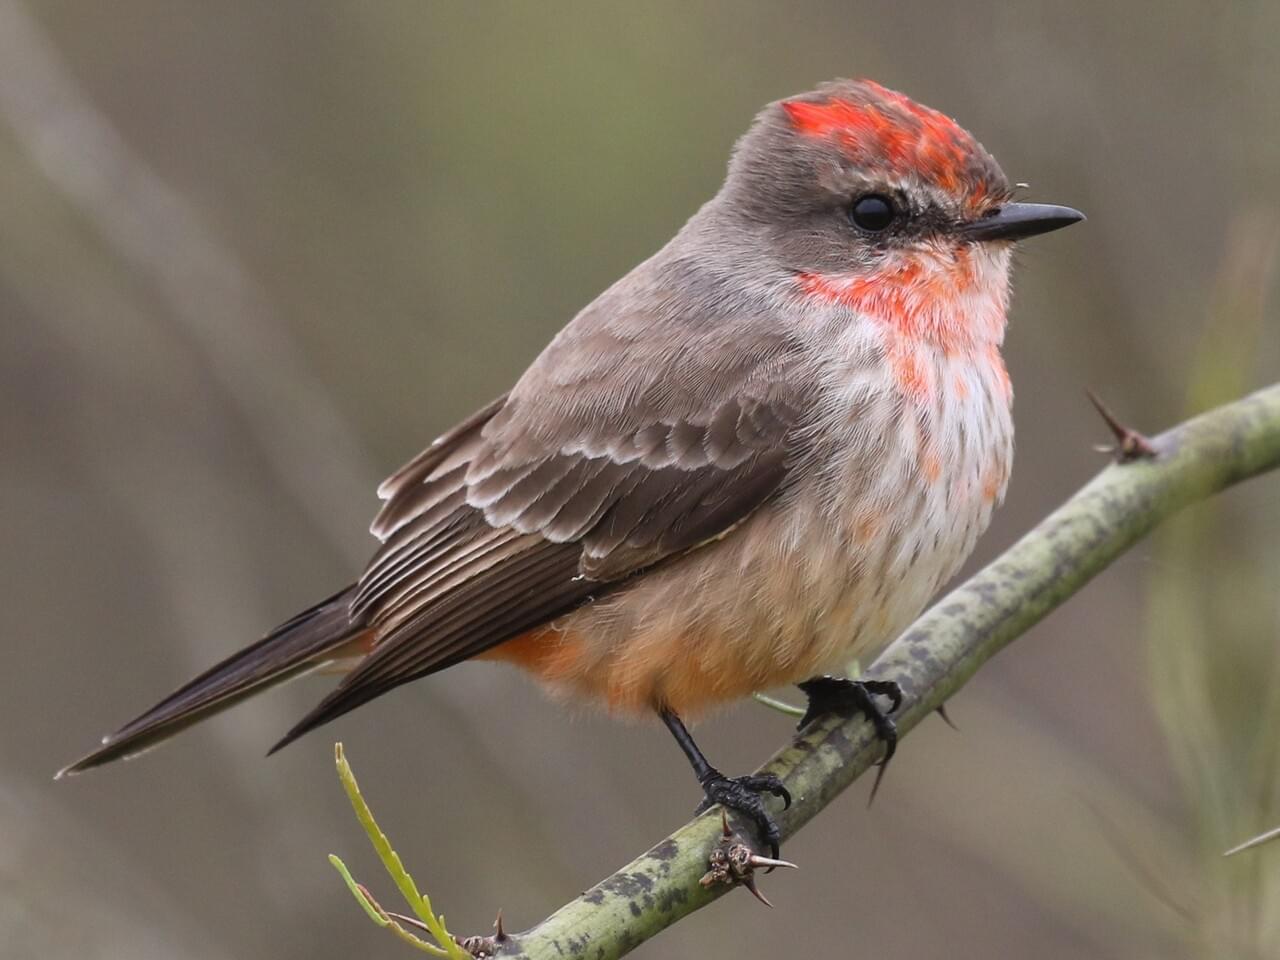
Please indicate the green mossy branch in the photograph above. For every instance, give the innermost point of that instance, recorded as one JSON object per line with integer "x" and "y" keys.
{"x": 931, "y": 661}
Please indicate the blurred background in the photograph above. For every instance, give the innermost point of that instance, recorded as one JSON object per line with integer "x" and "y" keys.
{"x": 253, "y": 256}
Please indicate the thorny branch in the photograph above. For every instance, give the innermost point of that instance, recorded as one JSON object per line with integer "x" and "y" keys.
{"x": 1151, "y": 479}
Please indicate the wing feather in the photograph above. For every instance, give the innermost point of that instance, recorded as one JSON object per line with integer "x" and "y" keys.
{"x": 631, "y": 440}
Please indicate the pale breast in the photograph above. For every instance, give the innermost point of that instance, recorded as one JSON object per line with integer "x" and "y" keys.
{"x": 918, "y": 444}
{"x": 905, "y": 458}
{"x": 893, "y": 494}
{"x": 923, "y": 466}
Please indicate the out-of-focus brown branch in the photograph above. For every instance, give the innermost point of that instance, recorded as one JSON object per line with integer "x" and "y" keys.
{"x": 208, "y": 292}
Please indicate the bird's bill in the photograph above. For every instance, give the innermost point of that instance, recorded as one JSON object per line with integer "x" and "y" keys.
{"x": 1017, "y": 221}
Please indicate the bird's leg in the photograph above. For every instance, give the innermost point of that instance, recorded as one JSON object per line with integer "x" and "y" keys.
{"x": 847, "y": 697}
{"x": 735, "y": 793}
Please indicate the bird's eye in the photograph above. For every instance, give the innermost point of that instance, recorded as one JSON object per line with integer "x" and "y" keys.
{"x": 872, "y": 212}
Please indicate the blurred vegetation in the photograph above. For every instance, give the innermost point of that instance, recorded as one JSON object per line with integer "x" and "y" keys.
{"x": 1213, "y": 647}
{"x": 320, "y": 232}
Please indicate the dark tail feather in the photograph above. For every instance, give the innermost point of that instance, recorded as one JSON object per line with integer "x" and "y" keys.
{"x": 305, "y": 642}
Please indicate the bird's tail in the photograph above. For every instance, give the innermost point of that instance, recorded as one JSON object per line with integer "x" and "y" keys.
{"x": 311, "y": 639}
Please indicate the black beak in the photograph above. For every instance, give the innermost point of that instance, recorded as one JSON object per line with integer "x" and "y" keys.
{"x": 1017, "y": 221}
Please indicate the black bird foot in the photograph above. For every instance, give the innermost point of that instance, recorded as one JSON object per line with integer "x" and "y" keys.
{"x": 743, "y": 795}
{"x": 847, "y": 697}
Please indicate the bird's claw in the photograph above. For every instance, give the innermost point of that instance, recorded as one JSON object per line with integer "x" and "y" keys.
{"x": 743, "y": 795}
{"x": 847, "y": 697}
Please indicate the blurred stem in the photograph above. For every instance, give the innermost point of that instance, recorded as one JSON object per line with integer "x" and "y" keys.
{"x": 932, "y": 660}
{"x": 773, "y": 703}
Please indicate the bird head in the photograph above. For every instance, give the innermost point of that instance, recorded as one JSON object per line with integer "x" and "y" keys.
{"x": 870, "y": 198}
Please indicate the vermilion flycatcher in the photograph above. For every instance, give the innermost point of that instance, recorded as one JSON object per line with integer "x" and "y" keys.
{"x": 753, "y": 458}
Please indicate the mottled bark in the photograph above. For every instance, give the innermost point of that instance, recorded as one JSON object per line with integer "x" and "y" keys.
{"x": 931, "y": 661}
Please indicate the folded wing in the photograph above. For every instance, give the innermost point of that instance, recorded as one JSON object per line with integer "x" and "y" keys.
{"x": 620, "y": 448}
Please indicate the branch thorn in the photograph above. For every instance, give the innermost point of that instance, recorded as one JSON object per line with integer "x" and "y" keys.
{"x": 772, "y": 863}
{"x": 1130, "y": 444}
{"x": 941, "y": 710}
{"x": 749, "y": 882}
{"x": 732, "y": 861}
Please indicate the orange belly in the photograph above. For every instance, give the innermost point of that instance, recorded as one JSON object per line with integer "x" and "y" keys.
{"x": 674, "y": 671}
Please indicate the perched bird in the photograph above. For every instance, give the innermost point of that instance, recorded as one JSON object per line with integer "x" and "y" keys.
{"x": 752, "y": 459}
